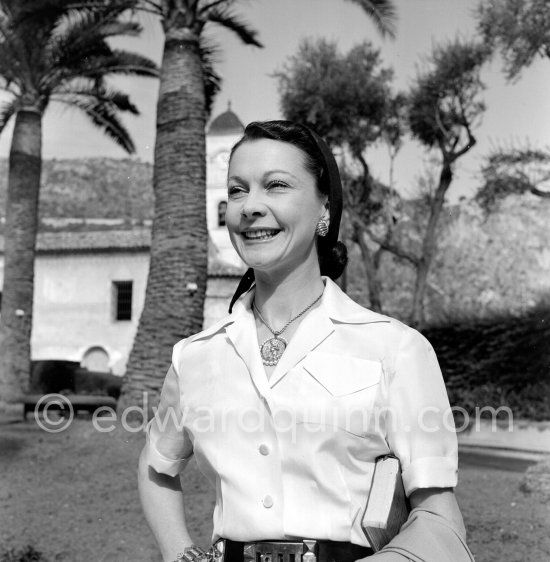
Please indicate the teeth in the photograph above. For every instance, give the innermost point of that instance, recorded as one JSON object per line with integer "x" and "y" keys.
{"x": 260, "y": 234}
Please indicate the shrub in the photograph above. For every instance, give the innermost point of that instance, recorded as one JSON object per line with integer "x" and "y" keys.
{"x": 25, "y": 554}
{"x": 504, "y": 361}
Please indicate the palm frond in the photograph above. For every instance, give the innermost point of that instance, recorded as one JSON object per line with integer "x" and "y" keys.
{"x": 7, "y": 110}
{"x": 212, "y": 80}
{"x": 8, "y": 62}
{"x": 36, "y": 13}
{"x": 119, "y": 62}
{"x": 75, "y": 34}
{"x": 119, "y": 101}
{"x": 82, "y": 33}
{"x": 80, "y": 47}
{"x": 106, "y": 24}
{"x": 18, "y": 54}
{"x": 206, "y": 5}
{"x": 382, "y": 12}
{"x": 225, "y": 17}
{"x": 35, "y": 20}
{"x": 103, "y": 115}
{"x": 123, "y": 63}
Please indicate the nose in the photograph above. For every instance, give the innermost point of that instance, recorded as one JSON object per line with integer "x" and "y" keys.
{"x": 253, "y": 206}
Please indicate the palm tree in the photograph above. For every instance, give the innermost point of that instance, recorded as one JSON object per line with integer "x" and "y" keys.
{"x": 176, "y": 285}
{"x": 50, "y": 52}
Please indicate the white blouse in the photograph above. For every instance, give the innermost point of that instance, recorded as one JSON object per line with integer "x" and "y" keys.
{"x": 292, "y": 456}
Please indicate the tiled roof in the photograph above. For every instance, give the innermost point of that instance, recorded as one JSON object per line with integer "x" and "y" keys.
{"x": 102, "y": 241}
{"x": 94, "y": 240}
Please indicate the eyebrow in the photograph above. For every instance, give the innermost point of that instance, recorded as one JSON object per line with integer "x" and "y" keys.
{"x": 268, "y": 173}
{"x": 280, "y": 172}
{"x": 236, "y": 178}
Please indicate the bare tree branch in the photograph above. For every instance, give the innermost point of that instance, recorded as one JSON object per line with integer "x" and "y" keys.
{"x": 471, "y": 139}
{"x": 364, "y": 165}
{"x": 539, "y": 192}
{"x": 393, "y": 248}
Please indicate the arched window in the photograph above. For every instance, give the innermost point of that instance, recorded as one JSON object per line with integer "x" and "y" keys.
{"x": 222, "y": 207}
{"x": 96, "y": 359}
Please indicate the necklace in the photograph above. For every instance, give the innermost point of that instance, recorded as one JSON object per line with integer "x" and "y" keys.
{"x": 273, "y": 348}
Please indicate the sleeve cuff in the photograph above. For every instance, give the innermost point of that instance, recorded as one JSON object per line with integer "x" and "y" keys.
{"x": 161, "y": 463}
{"x": 430, "y": 472}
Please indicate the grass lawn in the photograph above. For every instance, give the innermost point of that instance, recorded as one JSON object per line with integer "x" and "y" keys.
{"x": 72, "y": 495}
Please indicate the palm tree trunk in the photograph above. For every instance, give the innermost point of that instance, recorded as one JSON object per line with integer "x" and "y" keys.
{"x": 20, "y": 239}
{"x": 179, "y": 255}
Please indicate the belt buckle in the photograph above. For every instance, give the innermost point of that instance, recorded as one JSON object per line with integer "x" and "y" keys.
{"x": 281, "y": 551}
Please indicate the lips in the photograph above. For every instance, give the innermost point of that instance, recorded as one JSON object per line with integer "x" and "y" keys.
{"x": 260, "y": 234}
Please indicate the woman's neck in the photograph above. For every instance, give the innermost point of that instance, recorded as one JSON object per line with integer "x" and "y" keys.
{"x": 279, "y": 299}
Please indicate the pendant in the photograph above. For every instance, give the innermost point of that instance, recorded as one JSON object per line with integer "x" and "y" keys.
{"x": 272, "y": 349}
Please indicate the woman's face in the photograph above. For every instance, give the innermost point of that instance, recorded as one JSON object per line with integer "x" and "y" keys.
{"x": 273, "y": 206}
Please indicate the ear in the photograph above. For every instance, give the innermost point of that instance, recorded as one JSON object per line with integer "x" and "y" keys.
{"x": 326, "y": 213}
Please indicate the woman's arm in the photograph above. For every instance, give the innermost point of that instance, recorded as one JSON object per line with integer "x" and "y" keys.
{"x": 423, "y": 437}
{"x": 162, "y": 501}
{"x": 167, "y": 451}
{"x": 441, "y": 501}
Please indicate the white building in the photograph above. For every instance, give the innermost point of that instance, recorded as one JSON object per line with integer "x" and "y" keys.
{"x": 90, "y": 286}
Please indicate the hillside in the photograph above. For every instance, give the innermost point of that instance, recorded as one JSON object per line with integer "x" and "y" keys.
{"x": 92, "y": 188}
{"x": 485, "y": 266}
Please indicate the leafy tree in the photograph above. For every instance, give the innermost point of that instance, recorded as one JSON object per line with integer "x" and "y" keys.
{"x": 518, "y": 29}
{"x": 178, "y": 269}
{"x": 514, "y": 171}
{"x": 347, "y": 99}
{"x": 445, "y": 106}
{"x": 50, "y": 52}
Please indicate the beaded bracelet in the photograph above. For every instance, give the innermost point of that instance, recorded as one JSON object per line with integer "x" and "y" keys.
{"x": 197, "y": 554}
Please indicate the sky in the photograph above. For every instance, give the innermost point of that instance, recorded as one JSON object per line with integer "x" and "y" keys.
{"x": 516, "y": 113}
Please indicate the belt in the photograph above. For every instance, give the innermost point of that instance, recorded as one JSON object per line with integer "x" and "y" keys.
{"x": 292, "y": 551}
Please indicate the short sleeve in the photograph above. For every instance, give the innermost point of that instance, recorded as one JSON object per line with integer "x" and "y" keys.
{"x": 167, "y": 445}
{"x": 419, "y": 422}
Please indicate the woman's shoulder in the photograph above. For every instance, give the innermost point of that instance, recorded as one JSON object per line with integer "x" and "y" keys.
{"x": 209, "y": 331}
{"x": 344, "y": 309}
{"x": 204, "y": 335}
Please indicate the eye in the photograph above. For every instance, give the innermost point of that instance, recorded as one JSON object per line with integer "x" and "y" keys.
{"x": 277, "y": 185}
{"x": 234, "y": 191}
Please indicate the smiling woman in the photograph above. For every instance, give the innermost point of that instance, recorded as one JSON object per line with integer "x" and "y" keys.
{"x": 288, "y": 401}
{"x": 273, "y": 207}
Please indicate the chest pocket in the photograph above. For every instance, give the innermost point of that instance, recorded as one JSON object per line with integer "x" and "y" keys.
{"x": 345, "y": 390}
{"x": 342, "y": 375}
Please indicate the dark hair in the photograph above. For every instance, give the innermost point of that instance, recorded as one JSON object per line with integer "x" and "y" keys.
{"x": 320, "y": 162}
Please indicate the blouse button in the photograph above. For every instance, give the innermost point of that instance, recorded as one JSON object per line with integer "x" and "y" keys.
{"x": 264, "y": 449}
{"x": 267, "y": 501}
